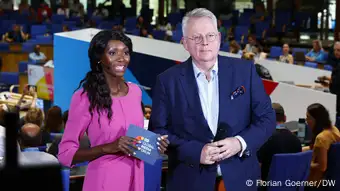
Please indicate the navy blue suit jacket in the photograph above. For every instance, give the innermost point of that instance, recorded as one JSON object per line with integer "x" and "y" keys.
{"x": 177, "y": 112}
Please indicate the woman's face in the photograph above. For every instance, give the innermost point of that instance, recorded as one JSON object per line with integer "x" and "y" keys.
{"x": 115, "y": 59}
{"x": 310, "y": 121}
{"x": 285, "y": 49}
{"x": 144, "y": 32}
{"x": 140, "y": 20}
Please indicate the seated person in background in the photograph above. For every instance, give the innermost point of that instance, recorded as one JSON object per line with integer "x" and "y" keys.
{"x": 76, "y": 9}
{"x": 250, "y": 47}
{"x": 62, "y": 10}
{"x": 24, "y": 7}
{"x": 235, "y": 48}
{"x": 27, "y": 91}
{"x": 258, "y": 51}
{"x": 26, "y": 158}
{"x": 140, "y": 23}
{"x": 15, "y": 35}
{"x": 317, "y": 54}
{"x": 323, "y": 135}
{"x": 44, "y": 12}
{"x": 334, "y": 55}
{"x": 30, "y": 135}
{"x": 145, "y": 33}
{"x": 101, "y": 11}
{"x": 54, "y": 121}
{"x": 6, "y": 5}
{"x": 36, "y": 116}
{"x": 36, "y": 55}
{"x": 166, "y": 26}
{"x": 286, "y": 57}
{"x": 282, "y": 141}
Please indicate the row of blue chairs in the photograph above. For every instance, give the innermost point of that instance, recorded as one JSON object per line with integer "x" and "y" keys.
{"x": 29, "y": 45}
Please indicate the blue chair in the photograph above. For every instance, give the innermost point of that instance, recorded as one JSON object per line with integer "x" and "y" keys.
{"x": 7, "y": 24}
{"x": 81, "y": 164}
{"x": 311, "y": 64}
{"x": 38, "y": 30}
{"x": 10, "y": 78}
{"x": 304, "y": 50}
{"x": 41, "y": 39}
{"x": 4, "y": 47}
{"x": 58, "y": 19}
{"x": 55, "y": 135}
{"x": 225, "y": 47}
{"x": 107, "y": 25}
{"x": 177, "y": 36}
{"x": 333, "y": 167}
{"x": 65, "y": 176}
{"x": 42, "y": 148}
{"x": 56, "y": 28}
{"x": 130, "y": 23}
{"x": 158, "y": 34}
{"x": 70, "y": 23}
{"x": 275, "y": 52}
{"x": 292, "y": 166}
{"x": 31, "y": 149}
{"x": 328, "y": 67}
{"x": 28, "y": 47}
{"x": 23, "y": 66}
{"x": 241, "y": 31}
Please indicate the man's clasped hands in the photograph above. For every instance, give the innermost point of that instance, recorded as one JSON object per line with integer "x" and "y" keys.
{"x": 220, "y": 150}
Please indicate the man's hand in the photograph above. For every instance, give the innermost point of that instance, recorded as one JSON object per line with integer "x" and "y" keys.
{"x": 228, "y": 148}
{"x": 209, "y": 152}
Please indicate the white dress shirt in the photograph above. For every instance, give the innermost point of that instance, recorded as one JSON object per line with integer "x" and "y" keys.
{"x": 209, "y": 97}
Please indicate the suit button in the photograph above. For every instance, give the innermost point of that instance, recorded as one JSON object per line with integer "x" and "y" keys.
{"x": 191, "y": 165}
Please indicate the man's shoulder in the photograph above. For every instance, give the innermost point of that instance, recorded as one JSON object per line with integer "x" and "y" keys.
{"x": 237, "y": 63}
{"x": 170, "y": 72}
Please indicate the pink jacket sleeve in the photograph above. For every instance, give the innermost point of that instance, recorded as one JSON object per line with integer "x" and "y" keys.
{"x": 77, "y": 123}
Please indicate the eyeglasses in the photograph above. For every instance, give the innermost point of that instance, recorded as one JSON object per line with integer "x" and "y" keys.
{"x": 199, "y": 39}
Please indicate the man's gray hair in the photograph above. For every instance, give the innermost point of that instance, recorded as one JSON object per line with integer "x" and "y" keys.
{"x": 198, "y": 12}
{"x": 337, "y": 43}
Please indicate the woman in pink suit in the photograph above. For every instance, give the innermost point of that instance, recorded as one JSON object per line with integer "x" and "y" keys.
{"x": 104, "y": 109}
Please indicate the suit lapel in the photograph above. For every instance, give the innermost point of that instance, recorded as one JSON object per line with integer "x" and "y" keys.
{"x": 190, "y": 88}
{"x": 225, "y": 76}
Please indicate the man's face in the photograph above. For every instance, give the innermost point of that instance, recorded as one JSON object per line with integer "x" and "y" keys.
{"x": 316, "y": 46}
{"x": 337, "y": 51}
{"x": 202, "y": 29}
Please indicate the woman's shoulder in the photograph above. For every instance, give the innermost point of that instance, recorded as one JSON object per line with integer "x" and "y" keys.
{"x": 79, "y": 96}
{"x": 134, "y": 88}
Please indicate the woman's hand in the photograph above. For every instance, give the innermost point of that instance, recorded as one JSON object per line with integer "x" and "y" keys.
{"x": 162, "y": 143}
{"x": 123, "y": 144}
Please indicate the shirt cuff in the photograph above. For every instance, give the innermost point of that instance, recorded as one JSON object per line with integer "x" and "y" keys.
{"x": 243, "y": 145}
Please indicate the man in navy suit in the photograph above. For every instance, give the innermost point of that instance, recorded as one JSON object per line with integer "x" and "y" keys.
{"x": 214, "y": 110}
